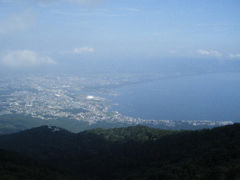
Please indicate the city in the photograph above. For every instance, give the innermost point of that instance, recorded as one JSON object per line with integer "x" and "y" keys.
{"x": 79, "y": 98}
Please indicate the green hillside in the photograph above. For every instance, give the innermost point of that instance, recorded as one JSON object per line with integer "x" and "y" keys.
{"x": 132, "y": 153}
{"x": 14, "y": 166}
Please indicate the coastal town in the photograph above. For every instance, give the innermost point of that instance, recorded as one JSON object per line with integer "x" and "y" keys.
{"x": 76, "y": 97}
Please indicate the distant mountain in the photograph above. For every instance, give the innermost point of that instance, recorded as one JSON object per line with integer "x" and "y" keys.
{"x": 132, "y": 153}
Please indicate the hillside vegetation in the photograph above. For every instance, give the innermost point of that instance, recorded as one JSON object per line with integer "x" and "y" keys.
{"x": 131, "y": 153}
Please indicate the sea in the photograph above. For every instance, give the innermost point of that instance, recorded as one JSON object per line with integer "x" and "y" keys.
{"x": 212, "y": 96}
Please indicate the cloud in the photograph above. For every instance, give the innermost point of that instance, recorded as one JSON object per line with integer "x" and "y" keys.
{"x": 209, "y": 53}
{"x": 17, "y": 22}
{"x": 25, "y": 59}
{"x": 6, "y": 1}
{"x": 97, "y": 12}
{"x": 131, "y": 9}
{"x": 85, "y": 1}
{"x": 172, "y": 52}
{"x": 234, "y": 56}
{"x": 82, "y": 50}
{"x": 50, "y": 1}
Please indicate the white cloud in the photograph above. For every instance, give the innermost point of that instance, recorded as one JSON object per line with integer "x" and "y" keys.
{"x": 234, "y": 56}
{"x": 25, "y": 59}
{"x": 96, "y": 12}
{"x": 172, "y": 52}
{"x": 17, "y": 22}
{"x": 85, "y": 1}
{"x": 131, "y": 9}
{"x": 209, "y": 53}
{"x": 82, "y": 50}
{"x": 6, "y": 1}
{"x": 50, "y": 1}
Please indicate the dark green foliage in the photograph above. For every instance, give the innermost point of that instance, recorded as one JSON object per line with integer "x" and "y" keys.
{"x": 133, "y": 133}
{"x": 17, "y": 167}
{"x": 134, "y": 152}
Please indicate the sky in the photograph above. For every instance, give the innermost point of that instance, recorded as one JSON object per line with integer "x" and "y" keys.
{"x": 48, "y": 32}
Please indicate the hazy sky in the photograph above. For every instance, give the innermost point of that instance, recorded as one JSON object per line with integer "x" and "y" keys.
{"x": 35, "y": 32}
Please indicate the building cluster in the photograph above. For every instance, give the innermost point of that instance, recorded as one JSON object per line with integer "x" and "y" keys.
{"x": 73, "y": 97}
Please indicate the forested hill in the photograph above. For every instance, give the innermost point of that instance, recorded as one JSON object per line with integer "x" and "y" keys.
{"x": 130, "y": 153}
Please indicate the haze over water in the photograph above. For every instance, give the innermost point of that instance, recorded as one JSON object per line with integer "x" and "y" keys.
{"x": 202, "y": 97}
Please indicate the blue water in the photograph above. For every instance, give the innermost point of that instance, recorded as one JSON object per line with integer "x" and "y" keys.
{"x": 201, "y": 97}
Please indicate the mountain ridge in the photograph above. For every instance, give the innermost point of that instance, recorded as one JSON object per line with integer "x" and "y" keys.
{"x": 133, "y": 153}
